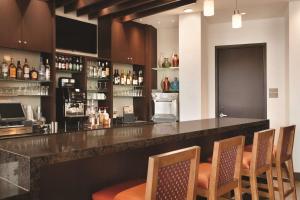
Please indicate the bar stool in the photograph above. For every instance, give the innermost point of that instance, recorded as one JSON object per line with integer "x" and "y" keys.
{"x": 258, "y": 162}
{"x": 171, "y": 175}
{"x": 283, "y": 160}
{"x": 224, "y": 173}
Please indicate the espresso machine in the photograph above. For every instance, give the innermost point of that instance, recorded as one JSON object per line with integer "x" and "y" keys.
{"x": 70, "y": 102}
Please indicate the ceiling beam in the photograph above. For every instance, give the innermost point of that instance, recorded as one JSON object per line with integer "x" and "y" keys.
{"x": 145, "y": 7}
{"x": 59, "y": 3}
{"x": 97, "y": 5}
{"x": 155, "y": 10}
{"x": 119, "y": 8}
{"x": 70, "y": 7}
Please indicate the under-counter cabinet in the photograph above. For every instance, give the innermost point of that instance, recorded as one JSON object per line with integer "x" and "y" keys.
{"x": 27, "y": 25}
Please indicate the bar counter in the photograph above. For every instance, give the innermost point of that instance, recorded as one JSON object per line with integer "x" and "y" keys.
{"x": 74, "y": 165}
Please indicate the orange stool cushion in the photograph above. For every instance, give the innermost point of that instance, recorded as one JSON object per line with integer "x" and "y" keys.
{"x": 134, "y": 193}
{"x": 204, "y": 172}
{"x": 247, "y": 156}
{"x": 110, "y": 192}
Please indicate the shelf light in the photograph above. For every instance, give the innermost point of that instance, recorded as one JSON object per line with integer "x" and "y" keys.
{"x": 209, "y": 8}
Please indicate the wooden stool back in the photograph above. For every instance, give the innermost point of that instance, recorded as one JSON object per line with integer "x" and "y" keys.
{"x": 262, "y": 151}
{"x": 284, "y": 161}
{"x": 285, "y": 143}
{"x": 226, "y": 167}
{"x": 173, "y": 175}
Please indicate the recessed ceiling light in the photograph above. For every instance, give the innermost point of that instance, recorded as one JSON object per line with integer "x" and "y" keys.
{"x": 173, "y": 20}
{"x": 243, "y": 13}
{"x": 188, "y": 10}
{"x": 158, "y": 22}
{"x": 141, "y": 20}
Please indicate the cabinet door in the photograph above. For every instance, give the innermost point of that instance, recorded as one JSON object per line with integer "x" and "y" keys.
{"x": 136, "y": 37}
{"x": 10, "y": 23}
{"x": 38, "y": 26}
{"x": 119, "y": 46}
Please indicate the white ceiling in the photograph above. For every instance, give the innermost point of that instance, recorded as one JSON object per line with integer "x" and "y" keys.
{"x": 255, "y": 9}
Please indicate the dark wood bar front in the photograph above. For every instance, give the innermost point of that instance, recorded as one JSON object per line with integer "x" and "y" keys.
{"x": 73, "y": 166}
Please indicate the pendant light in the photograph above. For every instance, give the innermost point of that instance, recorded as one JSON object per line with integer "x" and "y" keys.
{"x": 236, "y": 17}
{"x": 209, "y": 8}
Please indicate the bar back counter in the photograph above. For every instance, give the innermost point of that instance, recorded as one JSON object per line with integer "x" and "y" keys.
{"x": 74, "y": 165}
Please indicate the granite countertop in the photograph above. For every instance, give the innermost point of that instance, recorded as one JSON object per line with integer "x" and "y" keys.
{"x": 55, "y": 144}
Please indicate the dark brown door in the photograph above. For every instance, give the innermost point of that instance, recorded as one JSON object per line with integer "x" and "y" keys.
{"x": 10, "y": 23}
{"x": 37, "y": 26}
{"x": 240, "y": 81}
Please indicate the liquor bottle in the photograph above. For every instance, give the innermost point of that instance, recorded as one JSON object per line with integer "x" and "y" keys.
{"x": 141, "y": 78}
{"x": 63, "y": 63}
{"x": 56, "y": 62}
{"x": 128, "y": 78}
{"x": 118, "y": 78}
{"x": 123, "y": 78}
{"x": 67, "y": 63}
{"x": 107, "y": 69}
{"x": 81, "y": 64}
{"x": 12, "y": 69}
{"x": 19, "y": 70}
{"x": 103, "y": 74}
{"x": 115, "y": 80}
{"x": 47, "y": 72}
{"x": 34, "y": 74}
{"x": 26, "y": 70}
{"x": 42, "y": 70}
{"x": 4, "y": 68}
{"x": 135, "y": 80}
{"x": 59, "y": 62}
{"x": 77, "y": 64}
{"x": 70, "y": 64}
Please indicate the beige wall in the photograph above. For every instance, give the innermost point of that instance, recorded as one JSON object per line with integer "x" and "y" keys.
{"x": 294, "y": 74}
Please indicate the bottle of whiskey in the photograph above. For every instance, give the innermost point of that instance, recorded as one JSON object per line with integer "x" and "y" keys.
{"x": 135, "y": 81}
{"x": 80, "y": 64}
{"x": 34, "y": 75}
{"x": 4, "y": 68}
{"x": 141, "y": 78}
{"x": 19, "y": 70}
{"x": 115, "y": 81}
{"x": 128, "y": 78}
{"x": 67, "y": 63}
{"x": 26, "y": 70}
{"x": 47, "y": 70}
{"x": 12, "y": 69}
{"x": 103, "y": 74}
{"x": 107, "y": 69}
{"x": 123, "y": 78}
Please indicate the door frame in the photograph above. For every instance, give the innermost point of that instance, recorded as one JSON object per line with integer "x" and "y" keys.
{"x": 217, "y": 49}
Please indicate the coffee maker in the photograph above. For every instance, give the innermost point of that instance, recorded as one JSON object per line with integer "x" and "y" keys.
{"x": 70, "y": 103}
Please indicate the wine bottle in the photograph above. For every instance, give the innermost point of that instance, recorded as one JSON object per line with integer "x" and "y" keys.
{"x": 135, "y": 79}
{"x": 141, "y": 78}
{"x": 19, "y": 70}
{"x": 129, "y": 78}
{"x": 47, "y": 73}
{"x": 26, "y": 70}
{"x": 12, "y": 70}
{"x": 123, "y": 78}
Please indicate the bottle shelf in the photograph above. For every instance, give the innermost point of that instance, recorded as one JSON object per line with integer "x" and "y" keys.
{"x": 135, "y": 86}
{"x": 165, "y": 69}
{"x": 68, "y": 71}
{"x": 22, "y": 95}
{"x": 98, "y": 79}
{"x": 127, "y": 96}
{"x": 24, "y": 81}
{"x": 97, "y": 91}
